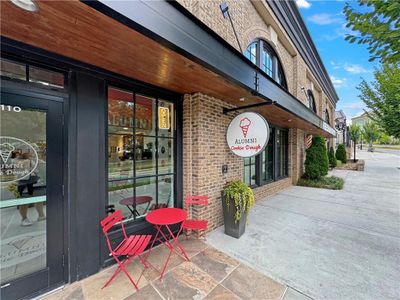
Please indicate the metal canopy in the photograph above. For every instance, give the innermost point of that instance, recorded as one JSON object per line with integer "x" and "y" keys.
{"x": 174, "y": 27}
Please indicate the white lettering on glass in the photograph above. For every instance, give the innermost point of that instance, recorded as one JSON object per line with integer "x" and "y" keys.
{"x": 10, "y": 108}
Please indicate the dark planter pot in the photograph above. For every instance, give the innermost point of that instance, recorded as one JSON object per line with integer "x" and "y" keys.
{"x": 231, "y": 228}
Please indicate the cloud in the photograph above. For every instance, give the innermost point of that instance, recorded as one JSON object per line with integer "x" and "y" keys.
{"x": 355, "y": 69}
{"x": 355, "y": 105}
{"x": 339, "y": 32}
{"x": 324, "y": 19}
{"x": 338, "y": 82}
{"x": 350, "y": 68}
{"x": 303, "y": 3}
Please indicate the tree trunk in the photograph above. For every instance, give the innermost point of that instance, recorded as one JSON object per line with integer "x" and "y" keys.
{"x": 355, "y": 146}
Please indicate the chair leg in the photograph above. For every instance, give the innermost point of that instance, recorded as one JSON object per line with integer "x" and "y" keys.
{"x": 121, "y": 267}
{"x": 187, "y": 233}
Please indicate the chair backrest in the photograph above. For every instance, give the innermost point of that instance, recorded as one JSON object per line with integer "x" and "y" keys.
{"x": 110, "y": 221}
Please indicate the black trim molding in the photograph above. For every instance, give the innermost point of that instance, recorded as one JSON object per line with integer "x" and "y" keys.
{"x": 290, "y": 18}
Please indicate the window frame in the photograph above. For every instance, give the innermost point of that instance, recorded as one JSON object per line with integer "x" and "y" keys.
{"x": 311, "y": 101}
{"x": 278, "y": 72}
{"x": 176, "y": 200}
{"x": 28, "y": 64}
{"x": 275, "y": 165}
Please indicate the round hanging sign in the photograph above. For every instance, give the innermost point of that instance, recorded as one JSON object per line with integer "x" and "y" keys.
{"x": 247, "y": 134}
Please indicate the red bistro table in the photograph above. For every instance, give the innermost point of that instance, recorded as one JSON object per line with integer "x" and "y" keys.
{"x": 164, "y": 217}
{"x": 131, "y": 203}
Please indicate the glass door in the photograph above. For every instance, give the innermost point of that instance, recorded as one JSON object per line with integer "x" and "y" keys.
{"x": 31, "y": 213}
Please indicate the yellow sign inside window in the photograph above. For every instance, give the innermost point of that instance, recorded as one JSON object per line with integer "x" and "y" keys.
{"x": 163, "y": 118}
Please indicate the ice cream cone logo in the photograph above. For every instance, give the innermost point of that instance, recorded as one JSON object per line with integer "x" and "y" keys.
{"x": 244, "y": 125}
{"x": 5, "y": 151}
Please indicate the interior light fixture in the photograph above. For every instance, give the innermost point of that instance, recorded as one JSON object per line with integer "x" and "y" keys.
{"x": 28, "y": 5}
{"x": 242, "y": 99}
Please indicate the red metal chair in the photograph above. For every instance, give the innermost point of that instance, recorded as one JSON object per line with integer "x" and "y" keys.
{"x": 131, "y": 246}
{"x": 191, "y": 224}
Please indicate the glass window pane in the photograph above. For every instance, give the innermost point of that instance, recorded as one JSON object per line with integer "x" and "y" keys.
{"x": 120, "y": 156}
{"x": 12, "y": 69}
{"x": 46, "y": 77}
{"x": 253, "y": 170}
{"x": 119, "y": 194}
{"x": 145, "y": 115}
{"x": 120, "y": 111}
{"x": 145, "y": 194}
{"x": 166, "y": 191}
{"x": 166, "y": 119}
{"x": 145, "y": 156}
{"x": 165, "y": 156}
{"x": 23, "y": 192}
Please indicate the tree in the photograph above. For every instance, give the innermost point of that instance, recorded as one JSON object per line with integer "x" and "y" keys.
{"x": 371, "y": 134}
{"x": 341, "y": 153}
{"x": 355, "y": 135}
{"x": 378, "y": 27}
{"x": 332, "y": 158}
{"x": 316, "y": 164}
{"x": 382, "y": 97}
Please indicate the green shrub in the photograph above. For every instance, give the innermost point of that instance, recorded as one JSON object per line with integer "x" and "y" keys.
{"x": 332, "y": 182}
{"x": 332, "y": 158}
{"x": 316, "y": 164}
{"x": 341, "y": 153}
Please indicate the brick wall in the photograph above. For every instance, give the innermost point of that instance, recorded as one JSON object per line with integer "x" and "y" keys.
{"x": 250, "y": 25}
{"x": 205, "y": 152}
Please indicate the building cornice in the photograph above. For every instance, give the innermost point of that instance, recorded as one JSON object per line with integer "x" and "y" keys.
{"x": 290, "y": 18}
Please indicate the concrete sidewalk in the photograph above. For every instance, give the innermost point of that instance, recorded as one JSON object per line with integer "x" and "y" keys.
{"x": 329, "y": 244}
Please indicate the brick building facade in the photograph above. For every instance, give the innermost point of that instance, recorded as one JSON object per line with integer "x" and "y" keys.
{"x": 202, "y": 113}
{"x": 126, "y": 106}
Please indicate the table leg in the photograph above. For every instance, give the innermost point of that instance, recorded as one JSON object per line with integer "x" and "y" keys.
{"x": 176, "y": 242}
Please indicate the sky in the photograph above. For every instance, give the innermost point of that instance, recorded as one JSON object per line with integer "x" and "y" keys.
{"x": 346, "y": 63}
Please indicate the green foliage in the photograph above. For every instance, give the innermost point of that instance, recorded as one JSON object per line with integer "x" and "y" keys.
{"x": 317, "y": 163}
{"x": 14, "y": 189}
{"x": 341, "y": 153}
{"x": 355, "y": 135}
{"x": 332, "y": 158}
{"x": 242, "y": 196}
{"x": 384, "y": 139}
{"x": 378, "y": 27}
{"x": 382, "y": 97}
{"x": 355, "y": 132}
{"x": 370, "y": 133}
{"x": 333, "y": 183}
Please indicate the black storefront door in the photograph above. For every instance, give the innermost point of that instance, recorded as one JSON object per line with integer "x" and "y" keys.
{"x": 31, "y": 203}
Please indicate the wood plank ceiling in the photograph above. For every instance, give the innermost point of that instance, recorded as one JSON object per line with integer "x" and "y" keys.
{"x": 75, "y": 30}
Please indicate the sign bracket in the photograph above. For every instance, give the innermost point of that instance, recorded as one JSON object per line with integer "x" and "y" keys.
{"x": 228, "y": 110}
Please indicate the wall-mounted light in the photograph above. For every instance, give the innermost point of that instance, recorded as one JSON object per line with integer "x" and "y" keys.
{"x": 28, "y": 5}
{"x": 225, "y": 12}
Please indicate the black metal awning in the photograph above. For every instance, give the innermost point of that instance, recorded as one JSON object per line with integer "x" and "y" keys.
{"x": 168, "y": 23}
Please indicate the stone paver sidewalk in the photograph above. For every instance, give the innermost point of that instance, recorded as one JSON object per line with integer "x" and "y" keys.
{"x": 329, "y": 244}
{"x": 210, "y": 274}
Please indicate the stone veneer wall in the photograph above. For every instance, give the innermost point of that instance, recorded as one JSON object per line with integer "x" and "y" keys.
{"x": 205, "y": 152}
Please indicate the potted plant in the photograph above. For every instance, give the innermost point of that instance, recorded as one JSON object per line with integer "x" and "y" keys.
{"x": 237, "y": 200}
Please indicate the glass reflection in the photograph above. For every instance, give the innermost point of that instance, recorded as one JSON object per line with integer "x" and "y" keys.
{"x": 117, "y": 192}
{"x": 146, "y": 194}
{"x": 145, "y": 156}
{"x": 120, "y": 111}
{"x": 120, "y": 156}
{"x": 165, "y": 156}
{"x": 145, "y": 115}
{"x": 22, "y": 192}
{"x": 166, "y": 191}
